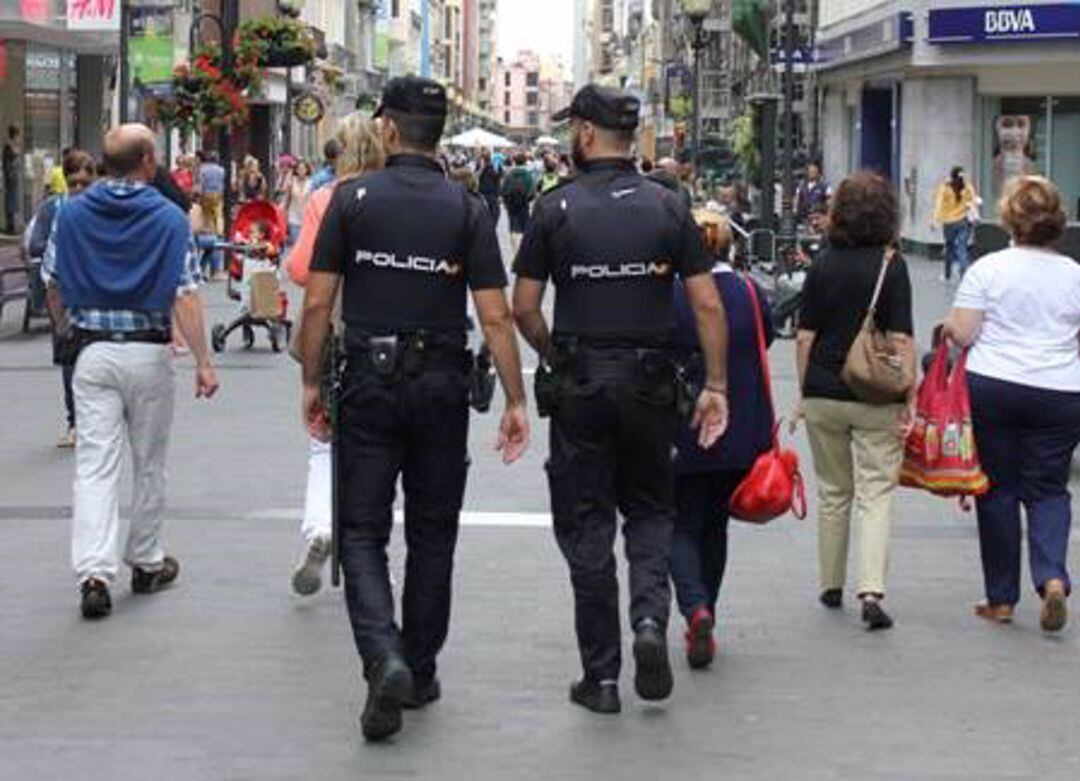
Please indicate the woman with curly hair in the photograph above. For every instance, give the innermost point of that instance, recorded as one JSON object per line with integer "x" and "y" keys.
{"x": 1019, "y": 312}
{"x": 857, "y": 447}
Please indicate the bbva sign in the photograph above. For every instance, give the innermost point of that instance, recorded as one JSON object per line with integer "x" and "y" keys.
{"x": 1009, "y": 20}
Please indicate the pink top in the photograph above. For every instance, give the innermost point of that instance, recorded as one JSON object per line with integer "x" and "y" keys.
{"x": 299, "y": 263}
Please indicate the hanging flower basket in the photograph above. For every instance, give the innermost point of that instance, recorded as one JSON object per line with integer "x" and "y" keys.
{"x": 280, "y": 57}
{"x": 205, "y": 96}
{"x": 281, "y": 42}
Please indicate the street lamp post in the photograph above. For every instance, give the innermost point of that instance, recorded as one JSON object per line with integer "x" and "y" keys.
{"x": 289, "y": 9}
{"x": 226, "y": 24}
{"x": 696, "y": 11}
{"x": 788, "y": 233}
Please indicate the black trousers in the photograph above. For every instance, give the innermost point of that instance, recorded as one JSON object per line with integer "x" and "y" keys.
{"x": 700, "y": 545}
{"x": 611, "y": 439}
{"x": 1026, "y": 437}
{"x": 492, "y": 201}
{"x": 415, "y": 427}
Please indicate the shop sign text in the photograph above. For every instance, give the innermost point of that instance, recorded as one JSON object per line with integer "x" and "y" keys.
{"x": 1002, "y": 23}
{"x": 93, "y": 15}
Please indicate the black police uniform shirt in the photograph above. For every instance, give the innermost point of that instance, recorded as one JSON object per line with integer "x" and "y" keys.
{"x": 409, "y": 244}
{"x": 612, "y": 241}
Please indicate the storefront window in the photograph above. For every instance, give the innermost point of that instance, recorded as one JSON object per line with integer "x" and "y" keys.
{"x": 12, "y": 81}
{"x": 50, "y": 110}
{"x": 1016, "y": 136}
{"x": 1031, "y": 136}
{"x": 1065, "y": 157}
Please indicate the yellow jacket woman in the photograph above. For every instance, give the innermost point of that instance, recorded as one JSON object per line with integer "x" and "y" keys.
{"x": 956, "y": 208}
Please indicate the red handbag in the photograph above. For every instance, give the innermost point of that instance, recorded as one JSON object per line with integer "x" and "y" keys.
{"x": 774, "y": 485}
{"x": 940, "y": 454}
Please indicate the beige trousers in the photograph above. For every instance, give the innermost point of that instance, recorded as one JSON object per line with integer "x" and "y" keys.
{"x": 124, "y": 395}
{"x": 857, "y": 458}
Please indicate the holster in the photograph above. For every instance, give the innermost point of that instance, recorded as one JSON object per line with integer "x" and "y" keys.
{"x": 546, "y": 389}
{"x": 481, "y": 381}
{"x": 685, "y": 391}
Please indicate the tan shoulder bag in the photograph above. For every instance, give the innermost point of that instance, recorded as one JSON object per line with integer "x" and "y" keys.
{"x": 877, "y": 370}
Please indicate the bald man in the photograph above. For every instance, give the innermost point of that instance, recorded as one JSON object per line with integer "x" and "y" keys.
{"x": 667, "y": 173}
{"x": 124, "y": 260}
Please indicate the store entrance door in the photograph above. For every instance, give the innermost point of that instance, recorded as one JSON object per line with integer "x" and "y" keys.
{"x": 877, "y": 131}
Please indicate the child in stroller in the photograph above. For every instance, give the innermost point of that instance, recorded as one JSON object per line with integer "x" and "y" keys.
{"x": 254, "y": 278}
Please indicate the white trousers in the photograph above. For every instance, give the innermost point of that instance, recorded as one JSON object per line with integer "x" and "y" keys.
{"x": 317, "y": 499}
{"x": 124, "y": 393}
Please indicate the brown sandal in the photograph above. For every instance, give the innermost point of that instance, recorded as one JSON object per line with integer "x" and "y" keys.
{"x": 1054, "y": 611}
{"x": 999, "y": 614}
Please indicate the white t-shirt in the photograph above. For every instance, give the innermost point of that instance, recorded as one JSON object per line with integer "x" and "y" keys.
{"x": 1030, "y": 300}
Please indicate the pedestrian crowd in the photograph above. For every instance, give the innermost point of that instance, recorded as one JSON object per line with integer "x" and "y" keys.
{"x": 654, "y": 336}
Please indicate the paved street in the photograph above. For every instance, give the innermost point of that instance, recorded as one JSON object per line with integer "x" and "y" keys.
{"x": 228, "y": 676}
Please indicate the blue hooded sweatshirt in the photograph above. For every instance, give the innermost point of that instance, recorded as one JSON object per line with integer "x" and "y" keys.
{"x": 121, "y": 247}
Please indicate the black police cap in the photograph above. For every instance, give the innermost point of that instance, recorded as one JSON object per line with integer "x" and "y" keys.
{"x": 603, "y": 106}
{"x": 413, "y": 95}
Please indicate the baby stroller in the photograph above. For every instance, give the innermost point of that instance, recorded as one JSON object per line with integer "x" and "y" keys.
{"x": 253, "y": 278}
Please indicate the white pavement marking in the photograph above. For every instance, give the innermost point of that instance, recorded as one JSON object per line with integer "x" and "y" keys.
{"x": 468, "y": 518}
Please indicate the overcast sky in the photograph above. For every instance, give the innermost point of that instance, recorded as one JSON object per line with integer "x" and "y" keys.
{"x": 544, "y": 26}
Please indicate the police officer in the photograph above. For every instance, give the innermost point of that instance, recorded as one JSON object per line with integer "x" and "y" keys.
{"x": 407, "y": 244}
{"x": 611, "y": 241}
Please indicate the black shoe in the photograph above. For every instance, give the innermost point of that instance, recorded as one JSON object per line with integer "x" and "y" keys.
{"x": 874, "y": 616}
{"x": 146, "y": 582}
{"x": 832, "y": 598}
{"x": 423, "y": 693}
{"x": 391, "y": 684}
{"x": 96, "y": 602}
{"x": 652, "y": 680}
{"x": 597, "y": 697}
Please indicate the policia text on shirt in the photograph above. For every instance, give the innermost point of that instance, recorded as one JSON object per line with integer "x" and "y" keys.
{"x": 407, "y": 244}
{"x": 612, "y": 242}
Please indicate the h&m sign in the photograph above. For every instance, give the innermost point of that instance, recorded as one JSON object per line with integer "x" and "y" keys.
{"x": 93, "y": 15}
{"x": 1005, "y": 23}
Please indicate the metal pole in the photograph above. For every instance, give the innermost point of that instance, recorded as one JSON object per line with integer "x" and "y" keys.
{"x": 228, "y": 29}
{"x": 766, "y": 105}
{"x": 125, "y": 63}
{"x": 286, "y": 126}
{"x": 814, "y": 89}
{"x": 788, "y": 235}
{"x": 695, "y": 130}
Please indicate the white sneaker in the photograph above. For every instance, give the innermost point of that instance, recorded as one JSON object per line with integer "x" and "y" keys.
{"x": 67, "y": 440}
{"x": 307, "y": 579}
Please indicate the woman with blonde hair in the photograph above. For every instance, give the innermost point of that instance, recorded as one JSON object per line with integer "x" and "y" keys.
{"x": 706, "y": 479}
{"x": 1018, "y": 311}
{"x": 252, "y": 185}
{"x": 362, "y": 151}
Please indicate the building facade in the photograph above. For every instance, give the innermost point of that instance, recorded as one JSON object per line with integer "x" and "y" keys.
{"x": 913, "y": 88}
{"x": 515, "y": 97}
{"x": 487, "y": 61}
{"x": 529, "y": 89}
{"x": 57, "y": 78}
